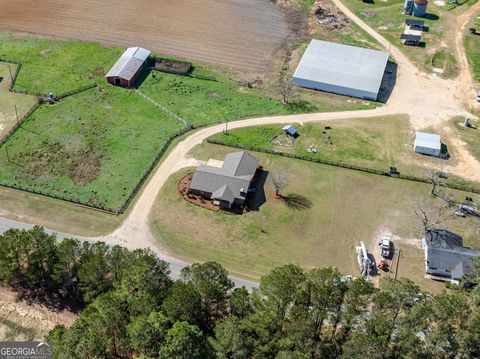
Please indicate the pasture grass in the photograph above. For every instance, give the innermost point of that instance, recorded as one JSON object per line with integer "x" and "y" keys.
{"x": 56, "y": 66}
{"x": 94, "y": 146}
{"x": 347, "y": 207}
{"x": 207, "y": 96}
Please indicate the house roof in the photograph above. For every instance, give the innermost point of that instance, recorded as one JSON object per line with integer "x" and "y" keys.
{"x": 446, "y": 251}
{"x": 129, "y": 63}
{"x": 428, "y": 140}
{"x": 342, "y": 65}
{"x": 228, "y": 182}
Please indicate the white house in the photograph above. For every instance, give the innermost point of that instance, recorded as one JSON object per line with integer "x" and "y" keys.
{"x": 427, "y": 144}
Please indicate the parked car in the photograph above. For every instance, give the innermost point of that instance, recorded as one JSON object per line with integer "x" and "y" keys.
{"x": 385, "y": 247}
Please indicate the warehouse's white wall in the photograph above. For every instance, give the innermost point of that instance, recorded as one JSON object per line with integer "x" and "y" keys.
{"x": 335, "y": 89}
{"x": 427, "y": 151}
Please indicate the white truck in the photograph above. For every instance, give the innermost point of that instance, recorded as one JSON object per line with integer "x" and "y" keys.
{"x": 385, "y": 247}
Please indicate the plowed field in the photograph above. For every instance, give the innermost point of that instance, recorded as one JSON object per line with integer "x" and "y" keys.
{"x": 239, "y": 34}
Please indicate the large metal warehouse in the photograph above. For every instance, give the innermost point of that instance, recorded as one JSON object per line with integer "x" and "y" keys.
{"x": 341, "y": 69}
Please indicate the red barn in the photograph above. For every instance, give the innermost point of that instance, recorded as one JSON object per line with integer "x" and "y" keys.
{"x": 128, "y": 67}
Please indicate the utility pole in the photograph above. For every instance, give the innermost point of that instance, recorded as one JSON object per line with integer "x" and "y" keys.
{"x": 226, "y": 126}
{"x": 11, "y": 76}
{"x": 16, "y": 112}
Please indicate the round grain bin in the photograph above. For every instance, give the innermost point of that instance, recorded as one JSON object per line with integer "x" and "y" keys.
{"x": 407, "y": 7}
{"x": 419, "y": 8}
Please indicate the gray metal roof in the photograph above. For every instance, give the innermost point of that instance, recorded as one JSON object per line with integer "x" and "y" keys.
{"x": 129, "y": 63}
{"x": 228, "y": 182}
{"x": 342, "y": 65}
{"x": 446, "y": 251}
{"x": 428, "y": 140}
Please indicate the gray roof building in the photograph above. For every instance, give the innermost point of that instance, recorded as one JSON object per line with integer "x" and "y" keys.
{"x": 129, "y": 63}
{"x": 445, "y": 255}
{"x": 229, "y": 183}
{"x": 427, "y": 144}
{"x": 342, "y": 69}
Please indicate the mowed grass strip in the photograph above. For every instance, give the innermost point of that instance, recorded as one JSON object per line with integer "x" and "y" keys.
{"x": 347, "y": 207}
{"x": 472, "y": 47}
{"x": 54, "y": 65}
{"x": 94, "y": 146}
{"x": 374, "y": 142}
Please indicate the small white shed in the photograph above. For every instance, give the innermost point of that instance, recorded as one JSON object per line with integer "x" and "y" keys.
{"x": 427, "y": 144}
{"x": 290, "y": 130}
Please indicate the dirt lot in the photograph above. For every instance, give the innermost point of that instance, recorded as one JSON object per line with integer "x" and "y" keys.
{"x": 244, "y": 39}
{"x": 21, "y": 321}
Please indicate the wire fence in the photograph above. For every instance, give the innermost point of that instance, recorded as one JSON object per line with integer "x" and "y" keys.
{"x": 165, "y": 109}
{"x": 19, "y": 123}
{"x": 76, "y": 91}
{"x": 464, "y": 188}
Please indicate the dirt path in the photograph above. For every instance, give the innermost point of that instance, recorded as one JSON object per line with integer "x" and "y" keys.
{"x": 465, "y": 83}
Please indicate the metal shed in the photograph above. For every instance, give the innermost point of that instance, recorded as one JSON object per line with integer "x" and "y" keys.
{"x": 289, "y": 129}
{"x": 341, "y": 69}
{"x": 427, "y": 144}
{"x": 128, "y": 67}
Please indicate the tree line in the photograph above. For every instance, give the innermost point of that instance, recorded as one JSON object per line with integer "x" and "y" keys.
{"x": 130, "y": 308}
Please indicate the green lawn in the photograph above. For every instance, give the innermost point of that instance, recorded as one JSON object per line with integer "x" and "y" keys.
{"x": 469, "y": 135}
{"x": 94, "y": 146}
{"x": 374, "y": 143}
{"x": 347, "y": 207}
{"x": 472, "y": 46}
{"x": 8, "y": 101}
{"x": 386, "y": 17}
{"x": 54, "y": 65}
{"x": 201, "y": 101}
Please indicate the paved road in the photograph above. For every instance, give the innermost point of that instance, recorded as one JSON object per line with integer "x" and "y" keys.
{"x": 175, "y": 265}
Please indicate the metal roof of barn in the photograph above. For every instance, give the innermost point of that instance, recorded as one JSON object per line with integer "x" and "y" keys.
{"x": 428, "y": 140}
{"x": 129, "y": 63}
{"x": 342, "y": 65}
